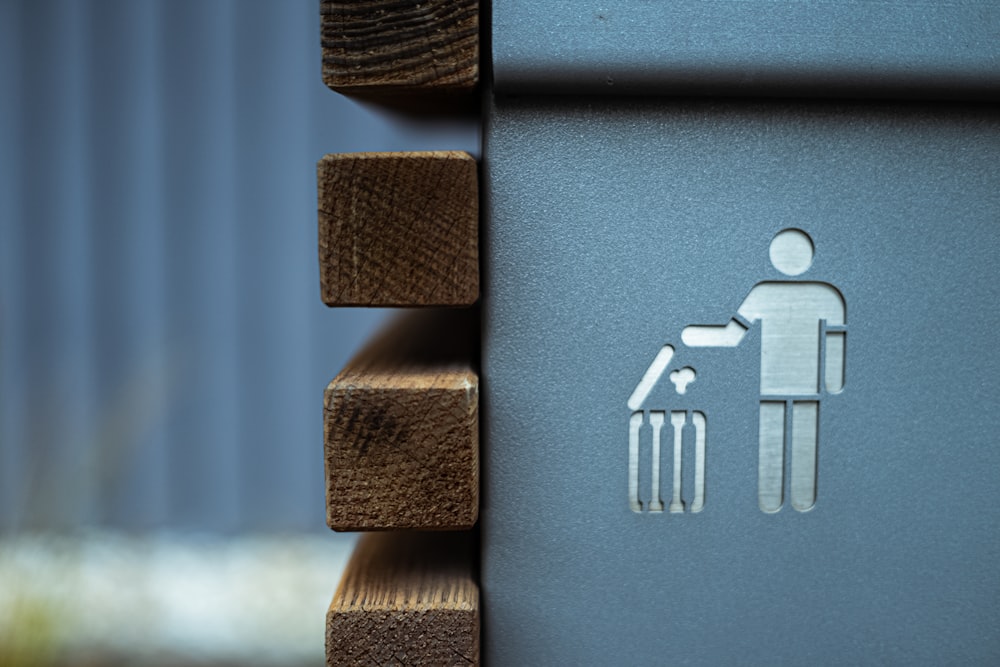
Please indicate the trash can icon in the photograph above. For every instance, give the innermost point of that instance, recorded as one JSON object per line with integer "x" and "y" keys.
{"x": 655, "y": 418}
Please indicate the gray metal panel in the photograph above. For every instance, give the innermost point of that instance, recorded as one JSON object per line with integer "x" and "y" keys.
{"x": 793, "y": 48}
{"x": 612, "y": 225}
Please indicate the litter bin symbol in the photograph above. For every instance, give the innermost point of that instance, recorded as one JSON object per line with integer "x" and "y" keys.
{"x": 657, "y": 420}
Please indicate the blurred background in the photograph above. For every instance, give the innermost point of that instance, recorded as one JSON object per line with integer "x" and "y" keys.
{"x": 163, "y": 346}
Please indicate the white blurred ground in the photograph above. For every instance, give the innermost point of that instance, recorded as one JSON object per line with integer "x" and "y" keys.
{"x": 109, "y": 598}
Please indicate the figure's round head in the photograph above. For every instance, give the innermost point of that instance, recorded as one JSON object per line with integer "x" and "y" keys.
{"x": 792, "y": 251}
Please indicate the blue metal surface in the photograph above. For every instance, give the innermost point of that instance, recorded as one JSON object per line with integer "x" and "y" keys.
{"x": 614, "y": 224}
{"x": 793, "y": 48}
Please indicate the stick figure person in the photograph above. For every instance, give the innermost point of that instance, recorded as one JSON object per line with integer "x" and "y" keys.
{"x": 802, "y": 327}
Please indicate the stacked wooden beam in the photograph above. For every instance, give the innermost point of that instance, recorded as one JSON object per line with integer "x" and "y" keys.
{"x": 401, "y": 421}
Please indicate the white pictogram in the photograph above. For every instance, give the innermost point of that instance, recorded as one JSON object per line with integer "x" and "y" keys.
{"x": 682, "y": 379}
{"x": 802, "y": 356}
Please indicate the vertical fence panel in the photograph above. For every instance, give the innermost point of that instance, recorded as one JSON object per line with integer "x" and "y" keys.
{"x": 12, "y": 358}
{"x": 127, "y": 202}
{"x": 277, "y": 249}
{"x": 201, "y": 246}
{"x": 55, "y": 257}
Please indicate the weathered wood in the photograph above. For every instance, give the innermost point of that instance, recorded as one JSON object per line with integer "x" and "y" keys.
{"x": 401, "y": 425}
{"x": 399, "y": 229}
{"x": 391, "y": 48}
{"x": 406, "y": 599}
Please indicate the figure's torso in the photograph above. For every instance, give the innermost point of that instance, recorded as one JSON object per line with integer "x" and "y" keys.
{"x": 790, "y": 315}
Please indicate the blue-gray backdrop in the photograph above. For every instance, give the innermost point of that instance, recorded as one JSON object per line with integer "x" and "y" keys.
{"x": 163, "y": 347}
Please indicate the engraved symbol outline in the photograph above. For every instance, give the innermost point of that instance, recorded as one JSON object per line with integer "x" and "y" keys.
{"x": 682, "y": 378}
{"x": 803, "y": 355}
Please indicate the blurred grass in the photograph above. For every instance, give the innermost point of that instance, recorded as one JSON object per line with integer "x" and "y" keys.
{"x": 30, "y": 621}
{"x": 28, "y": 638}
{"x": 103, "y": 597}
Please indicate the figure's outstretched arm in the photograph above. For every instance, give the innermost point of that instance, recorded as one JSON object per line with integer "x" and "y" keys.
{"x": 729, "y": 335}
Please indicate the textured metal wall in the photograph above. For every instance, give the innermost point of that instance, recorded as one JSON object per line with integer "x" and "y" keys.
{"x": 722, "y": 48}
{"x": 163, "y": 348}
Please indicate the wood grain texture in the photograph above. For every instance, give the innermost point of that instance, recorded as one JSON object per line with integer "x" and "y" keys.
{"x": 401, "y": 426}
{"x": 384, "y": 48}
{"x": 399, "y": 229}
{"x": 406, "y": 599}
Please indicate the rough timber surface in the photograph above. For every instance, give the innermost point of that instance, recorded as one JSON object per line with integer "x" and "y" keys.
{"x": 385, "y": 48}
{"x": 401, "y": 425}
{"x": 399, "y": 229}
{"x": 406, "y": 599}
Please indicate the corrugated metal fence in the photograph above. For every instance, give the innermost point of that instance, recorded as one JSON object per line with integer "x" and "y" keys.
{"x": 163, "y": 348}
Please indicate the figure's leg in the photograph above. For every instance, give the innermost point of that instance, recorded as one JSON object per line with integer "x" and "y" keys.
{"x": 656, "y": 420}
{"x": 771, "y": 456}
{"x": 677, "y": 420}
{"x": 698, "y": 418}
{"x": 805, "y": 419}
{"x": 634, "y": 423}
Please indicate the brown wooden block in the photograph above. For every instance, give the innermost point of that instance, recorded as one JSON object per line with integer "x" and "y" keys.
{"x": 391, "y": 48}
{"x": 406, "y": 599}
{"x": 399, "y": 229}
{"x": 401, "y": 425}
